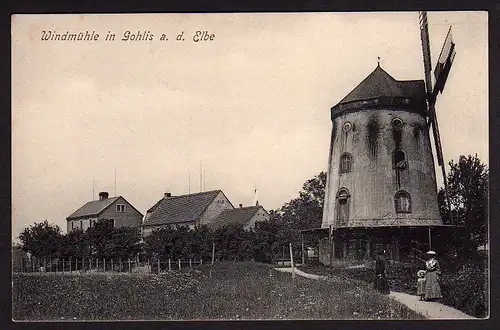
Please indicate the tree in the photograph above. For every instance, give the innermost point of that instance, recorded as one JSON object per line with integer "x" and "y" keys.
{"x": 75, "y": 245}
{"x": 201, "y": 242}
{"x": 468, "y": 193}
{"x": 42, "y": 240}
{"x": 234, "y": 243}
{"x": 125, "y": 243}
{"x": 270, "y": 237}
{"x": 98, "y": 237}
{"x": 303, "y": 212}
{"x": 306, "y": 211}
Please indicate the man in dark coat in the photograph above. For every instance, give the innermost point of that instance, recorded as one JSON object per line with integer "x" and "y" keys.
{"x": 380, "y": 281}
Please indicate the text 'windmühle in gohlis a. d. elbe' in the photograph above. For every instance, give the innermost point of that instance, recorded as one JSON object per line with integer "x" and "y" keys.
{"x": 127, "y": 36}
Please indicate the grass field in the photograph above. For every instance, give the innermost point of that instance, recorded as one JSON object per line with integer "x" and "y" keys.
{"x": 465, "y": 290}
{"x": 234, "y": 291}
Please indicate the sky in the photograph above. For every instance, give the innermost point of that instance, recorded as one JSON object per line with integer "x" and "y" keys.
{"x": 251, "y": 107}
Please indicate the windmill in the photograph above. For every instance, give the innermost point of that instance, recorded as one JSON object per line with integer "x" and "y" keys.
{"x": 441, "y": 72}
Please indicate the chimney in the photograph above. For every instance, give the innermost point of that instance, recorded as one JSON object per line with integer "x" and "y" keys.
{"x": 241, "y": 205}
{"x": 103, "y": 195}
{"x": 168, "y": 195}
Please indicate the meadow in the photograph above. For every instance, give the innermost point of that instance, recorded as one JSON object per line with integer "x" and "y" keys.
{"x": 225, "y": 291}
{"x": 464, "y": 285}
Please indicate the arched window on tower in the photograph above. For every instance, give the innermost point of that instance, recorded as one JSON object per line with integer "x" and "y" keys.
{"x": 402, "y": 201}
{"x": 342, "y": 206}
{"x": 399, "y": 160}
{"x": 345, "y": 162}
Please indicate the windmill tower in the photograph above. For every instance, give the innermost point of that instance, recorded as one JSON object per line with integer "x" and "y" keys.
{"x": 381, "y": 190}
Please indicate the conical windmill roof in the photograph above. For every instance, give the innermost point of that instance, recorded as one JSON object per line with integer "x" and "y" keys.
{"x": 383, "y": 89}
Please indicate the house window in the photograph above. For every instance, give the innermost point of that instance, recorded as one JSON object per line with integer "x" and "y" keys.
{"x": 72, "y": 225}
{"x": 342, "y": 207}
{"x": 81, "y": 224}
{"x": 345, "y": 162}
{"x": 121, "y": 208}
{"x": 399, "y": 160}
{"x": 402, "y": 202}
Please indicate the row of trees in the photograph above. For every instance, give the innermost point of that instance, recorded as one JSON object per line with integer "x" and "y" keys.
{"x": 45, "y": 240}
{"x": 468, "y": 192}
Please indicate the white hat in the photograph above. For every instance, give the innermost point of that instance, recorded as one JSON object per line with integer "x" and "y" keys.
{"x": 431, "y": 253}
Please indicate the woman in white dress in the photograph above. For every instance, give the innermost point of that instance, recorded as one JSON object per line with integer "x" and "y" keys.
{"x": 433, "y": 271}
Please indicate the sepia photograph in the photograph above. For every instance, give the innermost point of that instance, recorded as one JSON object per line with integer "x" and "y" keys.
{"x": 250, "y": 166}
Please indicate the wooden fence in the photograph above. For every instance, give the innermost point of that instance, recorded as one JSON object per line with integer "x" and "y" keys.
{"x": 71, "y": 265}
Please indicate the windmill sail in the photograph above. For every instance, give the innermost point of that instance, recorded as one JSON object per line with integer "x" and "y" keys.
{"x": 444, "y": 63}
{"x": 424, "y": 35}
{"x": 441, "y": 73}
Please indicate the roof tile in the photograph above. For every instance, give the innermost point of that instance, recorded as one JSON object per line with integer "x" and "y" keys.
{"x": 178, "y": 209}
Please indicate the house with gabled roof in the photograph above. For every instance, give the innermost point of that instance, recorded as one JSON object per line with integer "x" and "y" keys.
{"x": 117, "y": 210}
{"x": 186, "y": 210}
{"x": 245, "y": 217}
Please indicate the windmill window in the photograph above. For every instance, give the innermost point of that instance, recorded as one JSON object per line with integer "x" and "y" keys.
{"x": 402, "y": 202}
{"x": 347, "y": 127}
{"x": 345, "y": 163}
{"x": 400, "y": 162}
{"x": 342, "y": 207}
{"x": 397, "y": 123}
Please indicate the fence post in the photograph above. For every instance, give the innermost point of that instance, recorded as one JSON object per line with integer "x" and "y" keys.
{"x": 70, "y": 265}
{"x": 97, "y": 264}
{"x": 104, "y": 264}
{"x": 169, "y": 265}
{"x": 213, "y": 253}
{"x": 303, "y": 250}
{"x": 44, "y": 265}
{"x": 291, "y": 261}
{"x": 189, "y": 263}
{"x": 112, "y": 266}
{"x": 201, "y": 261}
{"x": 129, "y": 269}
{"x": 63, "y": 265}
{"x": 158, "y": 266}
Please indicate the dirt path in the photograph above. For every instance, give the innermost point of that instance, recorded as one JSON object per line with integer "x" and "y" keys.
{"x": 429, "y": 309}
